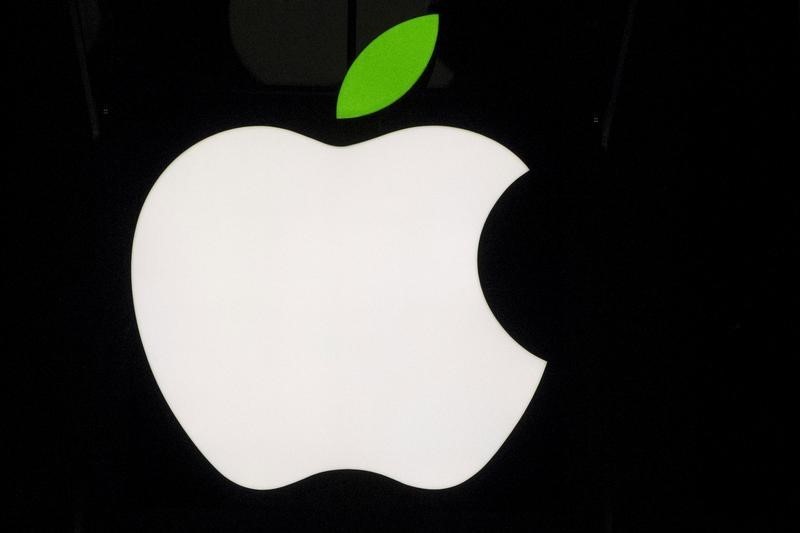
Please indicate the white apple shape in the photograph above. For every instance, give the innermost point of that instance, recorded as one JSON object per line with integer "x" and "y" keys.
{"x": 306, "y": 307}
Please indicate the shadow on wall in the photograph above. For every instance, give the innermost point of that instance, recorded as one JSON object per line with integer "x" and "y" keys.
{"x": 306, "y": 43}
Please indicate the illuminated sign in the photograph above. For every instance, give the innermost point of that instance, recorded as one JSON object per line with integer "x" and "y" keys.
{"x": 306, "y": 307}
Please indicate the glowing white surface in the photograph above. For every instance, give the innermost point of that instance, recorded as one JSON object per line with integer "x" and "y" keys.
{"x": 307, "y": 308}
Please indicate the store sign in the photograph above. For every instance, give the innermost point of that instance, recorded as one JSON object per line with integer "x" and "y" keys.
{"x": 306, "y": 307}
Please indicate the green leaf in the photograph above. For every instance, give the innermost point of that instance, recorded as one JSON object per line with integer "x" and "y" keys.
{"x": 388, "y": 67}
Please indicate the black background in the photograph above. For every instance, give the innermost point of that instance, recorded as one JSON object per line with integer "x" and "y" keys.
{"x": 653, "y": 271}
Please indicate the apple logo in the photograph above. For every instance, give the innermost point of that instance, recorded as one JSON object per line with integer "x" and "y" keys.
{"x": 307, "y": 307}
